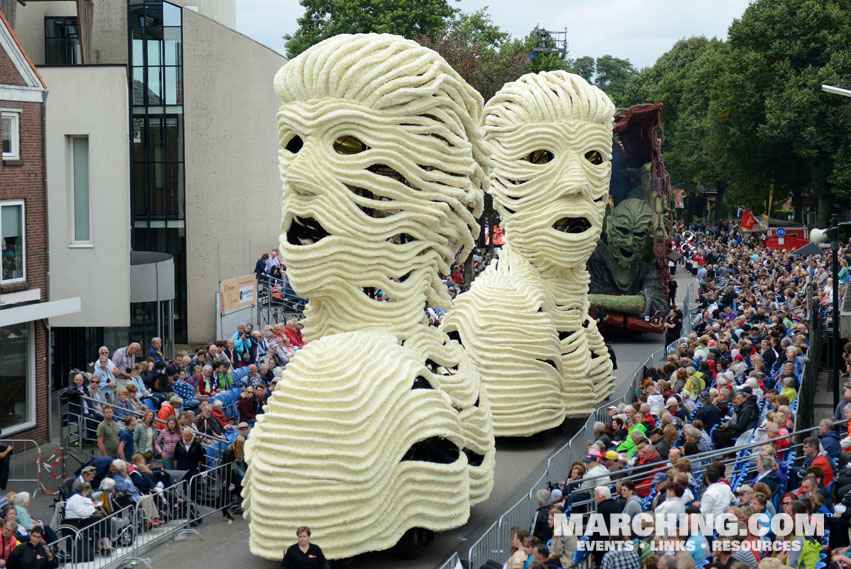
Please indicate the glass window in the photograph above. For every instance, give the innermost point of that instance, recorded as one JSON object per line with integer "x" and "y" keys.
{"x": 13, "y": 245}
{"x": 62, "y": 41}
{"x": 80, "y": 150}
{"x": 11, "y": 127}
{"x": 171, "y": 15}
{"x": 16, "y": 382}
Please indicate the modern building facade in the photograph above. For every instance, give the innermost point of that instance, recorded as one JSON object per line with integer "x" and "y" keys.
{"x": 24, "y": 305}
{"x": 176, "y": 112}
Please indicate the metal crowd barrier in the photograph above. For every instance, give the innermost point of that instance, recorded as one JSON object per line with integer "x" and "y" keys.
{"x": 493, "y": 544}
{"x": 32, "y": 465}
{"x": 453, "y": 562}
{"x": 156, "y": 518}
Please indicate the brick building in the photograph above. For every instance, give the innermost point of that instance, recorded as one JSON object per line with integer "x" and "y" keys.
{"x": 24, "y": 306}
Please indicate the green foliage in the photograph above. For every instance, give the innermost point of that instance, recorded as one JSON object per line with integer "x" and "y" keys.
{"x": 479, "y": 51}
{"x": 612, "y": 76}
{"x": 323, "y": 19}
{"x": 749, "y": 114}
{"x": 584, "y": 67}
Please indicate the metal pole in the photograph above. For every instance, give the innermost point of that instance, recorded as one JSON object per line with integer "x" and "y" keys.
{"x": 834, "y": 246}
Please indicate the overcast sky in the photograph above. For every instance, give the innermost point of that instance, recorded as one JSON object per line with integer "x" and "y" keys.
{"x": 638, "y": 30}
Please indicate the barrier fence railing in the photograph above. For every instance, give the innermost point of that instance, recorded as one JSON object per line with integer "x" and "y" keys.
{"x": 493, "y": 544}
{"x": 453, "y": 562}
{"x": 33, "y": 465}
{"x": 139, "y": 526}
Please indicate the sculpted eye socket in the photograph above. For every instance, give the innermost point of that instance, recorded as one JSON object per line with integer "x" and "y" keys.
{"x": 294, "y": 144}
{"x": 622, "y": 230}
{"x": 349, "y": 145}
{"x": 539, "y": 157}
{"x": 594, "y": 157}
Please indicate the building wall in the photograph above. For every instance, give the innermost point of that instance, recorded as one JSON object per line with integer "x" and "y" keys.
{"x": 24, "y": 179}
{"x": 222, "y": 11}
{"x": 29, "y": 24}
{"x": 91, "y": 101}
{"x": 233, "y": 190}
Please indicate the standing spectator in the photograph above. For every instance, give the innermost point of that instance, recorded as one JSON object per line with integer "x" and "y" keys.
{"x": 126, "y": 445}
{"x": 304, "y": 555}
{"x": 107, "y": 434}
{"x": 167, "y": 440}
{"x": 34, "y": 554}
{"x": 107, "y": 378}
{"x": 157, "y": 353}
{"x": 247, "y": 406}
{"x": 717, "y": 497}
{"x": 145, "y": 434}
{"x": 124, "y": 358}
{"x": 189, "y": 454}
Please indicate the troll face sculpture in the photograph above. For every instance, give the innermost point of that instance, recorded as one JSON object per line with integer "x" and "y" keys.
{"x": 551, "y": 137}
{"x": 627, "y": 228}
{"x": 382, "y": 169}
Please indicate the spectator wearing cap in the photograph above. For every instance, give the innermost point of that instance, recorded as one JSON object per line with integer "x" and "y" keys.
{"x": 596, "y": 473}
{"x": 613, "y": 463}
{"x": 672, "y": 405}
{"x": 708, "y": 413}
{"x": 660, "y": 482}
{"x": 744, "y": 495}
{"x": 661, "y": 444}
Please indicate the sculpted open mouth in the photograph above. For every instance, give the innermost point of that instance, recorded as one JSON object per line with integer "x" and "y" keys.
{"x": 305, "y": 231}
{"x": 572, "y": 225}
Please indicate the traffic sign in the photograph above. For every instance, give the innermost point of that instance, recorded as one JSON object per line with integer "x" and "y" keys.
{"x": 781, "y": 232}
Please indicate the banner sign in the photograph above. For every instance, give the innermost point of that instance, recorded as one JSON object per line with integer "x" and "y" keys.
{"x": 238, "y": 293}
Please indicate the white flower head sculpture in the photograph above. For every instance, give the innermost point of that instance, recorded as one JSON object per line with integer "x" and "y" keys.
{"x": 382, "y": 167}
{"x": 359, "y": 453}
{"x": 525, "y": 321}
{"x": 551, "y": 138}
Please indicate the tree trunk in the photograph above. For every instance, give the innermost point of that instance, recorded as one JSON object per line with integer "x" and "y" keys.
{"x": 825, "y": 208}
{"x": 796, "y": 205}
{"x": 691, "y": 203}
{"x": 719, "y": 201}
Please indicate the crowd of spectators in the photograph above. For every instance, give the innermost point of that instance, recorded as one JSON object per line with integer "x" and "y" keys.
{"x": 157, "y": 420}
{"x": 732, "y": 382}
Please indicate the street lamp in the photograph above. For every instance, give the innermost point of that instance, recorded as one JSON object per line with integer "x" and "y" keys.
{"x": 822, "y": 236}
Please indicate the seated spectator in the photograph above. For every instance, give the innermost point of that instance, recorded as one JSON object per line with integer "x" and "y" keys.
{"x": 206, "y": 383}
{"x": 169, "y": 409}
{"x": 293, "y": 332}
{"x": 207, "y": 424}
{"x": 8, "y": 540}
{"x": 81, "y": 506}
{"x": 133, "y": 400}
{"x": 829, "y": 439}
{"x": 224, "y": 379}
{"x": 105, "y": 374}
{"x": 22, "y": 503}
{"x": 246, "y": 406}
{"x": 745, "y": 418}
{"x": 186, "y": 391}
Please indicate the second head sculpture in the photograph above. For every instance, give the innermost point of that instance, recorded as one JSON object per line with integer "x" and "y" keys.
{"x": 525, "y": 321}
{"x": 382, "y": 165}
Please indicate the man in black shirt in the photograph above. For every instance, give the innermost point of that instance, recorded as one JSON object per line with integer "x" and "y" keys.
{"x": 33, "y": 554}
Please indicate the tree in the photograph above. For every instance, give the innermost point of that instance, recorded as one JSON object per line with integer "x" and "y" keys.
{"x": 323, "y": 19}
{"x": 479, "y": 51}
{"x": 612, "y": 76}
{"x": 584, "y": 67}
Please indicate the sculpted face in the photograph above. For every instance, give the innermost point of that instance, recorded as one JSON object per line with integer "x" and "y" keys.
{"x": 381, "y": 172}
{"x": 551, "y": 137}
{"x": 628, "y": 226}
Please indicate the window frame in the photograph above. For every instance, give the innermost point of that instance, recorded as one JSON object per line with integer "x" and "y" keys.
{"x": 15, "y": 115}
{"x": 31, "y": 421}
{"x": 73, "y": 197}
{"x": 13, "y": 203}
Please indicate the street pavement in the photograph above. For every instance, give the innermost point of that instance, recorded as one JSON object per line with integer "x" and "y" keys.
{"x": 519, "y": 463}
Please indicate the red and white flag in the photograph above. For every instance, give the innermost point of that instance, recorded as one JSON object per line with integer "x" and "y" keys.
{"x": 748, "y": 220}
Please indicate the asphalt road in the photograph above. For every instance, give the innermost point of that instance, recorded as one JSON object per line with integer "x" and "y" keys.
{"x": 519, "y": 463}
